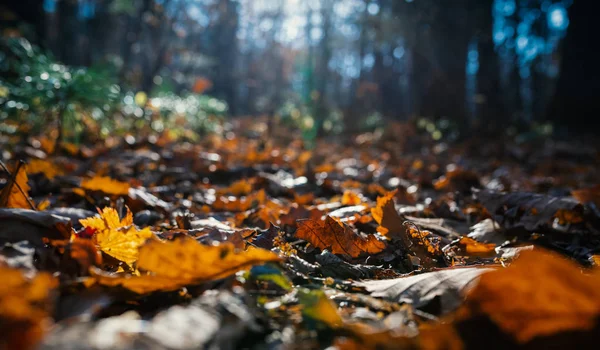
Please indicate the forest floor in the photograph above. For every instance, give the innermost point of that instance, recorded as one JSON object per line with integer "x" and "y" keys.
{"x": 251, "y": 240}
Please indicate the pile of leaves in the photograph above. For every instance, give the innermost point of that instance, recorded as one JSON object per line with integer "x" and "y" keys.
{"x": 382, "y": 240}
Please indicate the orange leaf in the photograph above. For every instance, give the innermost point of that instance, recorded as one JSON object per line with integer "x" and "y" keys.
{"x": 587, "y": 195}
{"x": 338, "y": 237}
{"x": 201, "y": 85}
{"x": 473, "y": 248}
{"x": 105, "y": 184}
{"x": 540, "y": 294}
{"x": 238, "y": 188}
{"x": 350, "y": 198}
{"x": 458, "y": 180}
{"x": 184, "y": 261}
{"x": 45, "y": 167}
{"x": 16, "y": 192}
{"x": 24, "y": 307}
{"x": 390, "y": 222}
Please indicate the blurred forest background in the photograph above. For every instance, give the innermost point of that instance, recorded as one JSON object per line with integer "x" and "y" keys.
{"x": 324, "y": 64}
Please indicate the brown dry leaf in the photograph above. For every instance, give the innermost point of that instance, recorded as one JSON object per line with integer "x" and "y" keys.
{"x": 473, "y": 248}
{"x": 390, "y": 222}
{"x": 49, "y": 169}
{"x": 588, "y": 195}
{"x": 304, "y": 199}
{"x": 15, "y": 193}
{"x": 540, "y": 294}
{"x": 338, "y": 237}
{"x": 24, "y": 308}
{"x": 85, "y": 253}
{"x": 183, "y": 261}
{"x": 105, "y": 184}
{"x": 457, "y": 180}
{"x": 117, "y": 238}
{"x": 350, "y": 198}
{"x": 238, "y": 188}
{"x": 565, "y": 216}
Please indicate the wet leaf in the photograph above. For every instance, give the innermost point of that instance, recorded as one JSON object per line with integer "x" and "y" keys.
{"x": 338, "y": 237}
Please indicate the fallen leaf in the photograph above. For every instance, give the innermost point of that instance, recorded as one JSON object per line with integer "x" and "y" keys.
{"x": 334, "y": 266}
{"x": 473, "y": 248}
{"x": 338, "y": 237}
{"x": 419, "y": 290}
{"x": 108, "y": 218}
{"x": 531, "y": 211}
{"x": 238, "y": 188}
{"x": 105, "y": 184}
{"x": 588, "y": 195}
{"x": 49, "y": 169}
{"x": 539, "y": 294}
{"x": 350, "y": 198}
{"x": 184, "y": 261}
{"x": 457, "y": 180}
{"x": 317, "y": 307}
{"x": 240, "y": 204}
{"x": 32, "y": 226}
{"x": 16, "y": 192}
{"x": 390, "y": 222}
{"x": 24, "y": 308}
{"x": 115, "y": 237}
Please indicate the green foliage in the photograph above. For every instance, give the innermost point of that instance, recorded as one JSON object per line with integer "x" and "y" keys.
{"x": 38, "y": 90}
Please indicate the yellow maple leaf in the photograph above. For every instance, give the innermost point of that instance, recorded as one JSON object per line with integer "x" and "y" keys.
{"x": 108, "y": 219}
{"x": 184, "y": 261}
{"x": 15, "y": 194}
{"x": 105, "y": 184}
{"x": 115, "y": 237}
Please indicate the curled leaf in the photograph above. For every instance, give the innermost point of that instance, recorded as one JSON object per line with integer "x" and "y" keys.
{"x": 390, "y": 222}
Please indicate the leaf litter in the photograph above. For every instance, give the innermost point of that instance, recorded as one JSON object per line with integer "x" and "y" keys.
{"x": 249, "y": 242}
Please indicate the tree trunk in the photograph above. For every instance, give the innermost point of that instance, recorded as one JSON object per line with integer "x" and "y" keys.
{"x": 576, "y": 98}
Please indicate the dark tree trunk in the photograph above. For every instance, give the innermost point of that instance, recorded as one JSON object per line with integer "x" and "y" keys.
{"x": 491, "y": 110}
{"x": 576, "y": 101}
